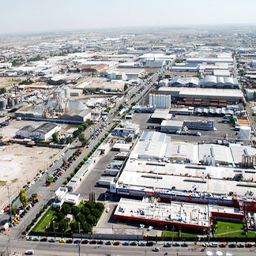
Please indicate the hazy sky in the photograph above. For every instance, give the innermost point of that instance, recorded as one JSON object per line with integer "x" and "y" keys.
{"x": 49, "y": 15}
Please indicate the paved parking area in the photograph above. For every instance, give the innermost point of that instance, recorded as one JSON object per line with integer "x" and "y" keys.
{"x": 90, "y": 182}
{"x": 223, "y": 130}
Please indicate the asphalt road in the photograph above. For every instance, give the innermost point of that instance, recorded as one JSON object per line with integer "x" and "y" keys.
{"x": 45, "y": 248}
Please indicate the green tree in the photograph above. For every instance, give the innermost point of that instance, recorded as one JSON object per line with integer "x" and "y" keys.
{"x": 80, "y": 217}
{"x": 74, "y": 226}
{"x": 69, "y": 140}
{"x": 55, "y": 137}
{"x": 83, "y": 139}
{"x": 2, "y": 90}
{"x": 34, "y": 196}
{"x": 66, "y": 208}
{"x": 63, "y": 225}
{"x": 91, "y": 220}
{"x": 62, "y": 141}
{"x": 60, "y": 216}
{"x": 100, "y": 206}
{"x": 86, "y": 227}
{"x": 23, "y": 197}
{"x": 85, "y": 211}
{"x": 13, "y": 209}
{"x": 74, "y": 210}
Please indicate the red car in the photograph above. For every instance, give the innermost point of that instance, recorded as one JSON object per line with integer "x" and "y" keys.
{"x": 59, "y": 174}
{"x": 222, "y": 245}
{"x": 248, "y": 245}
{"x": 116, "y": 243}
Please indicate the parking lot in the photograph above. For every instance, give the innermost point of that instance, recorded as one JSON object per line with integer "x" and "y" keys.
{"x": 89, "y": 184}
{"x": 223, "y": 131}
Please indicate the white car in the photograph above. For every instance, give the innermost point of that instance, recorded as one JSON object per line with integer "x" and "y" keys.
{"x": 29, "y": 252}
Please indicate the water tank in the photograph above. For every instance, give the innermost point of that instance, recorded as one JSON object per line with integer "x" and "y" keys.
{"x": 3, "y": 103}
{"x": 245, "y": 133}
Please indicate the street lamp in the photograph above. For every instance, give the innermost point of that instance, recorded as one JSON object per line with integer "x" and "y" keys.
{"x": 53, "y": 224}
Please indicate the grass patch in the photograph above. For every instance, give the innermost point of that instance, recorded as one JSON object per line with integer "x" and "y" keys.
{"x": 229, "y": 229}
{"x": 14, "y": 180}
{"x": 3, "y": 182}
{"x": 44, "y": 221}
{"x": 169, "y": 234}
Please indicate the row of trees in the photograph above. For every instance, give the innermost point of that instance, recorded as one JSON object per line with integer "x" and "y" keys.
{"x": 81, "y": 128}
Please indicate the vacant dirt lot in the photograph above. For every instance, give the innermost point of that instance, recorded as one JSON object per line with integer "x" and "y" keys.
{"x": 19, "y": 164}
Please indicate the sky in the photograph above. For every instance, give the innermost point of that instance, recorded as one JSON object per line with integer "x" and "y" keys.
{"x": 18, "y": 16}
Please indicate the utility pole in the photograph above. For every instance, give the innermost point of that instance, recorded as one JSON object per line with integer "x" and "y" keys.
{"x": 10, "y": 209}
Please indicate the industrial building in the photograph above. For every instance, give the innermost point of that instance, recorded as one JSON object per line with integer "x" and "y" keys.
{"x": 159, "y": 115}
{"x": 174, "y": 126}
{"x": 184, "y": 82}
{"x": 160, "y": 101}
{"x": 219, "y": 82}
{"x": 171, "y": 126}
{"x": 209, "y": 175}
{"x": 44, "y": 132}
{"x": 208, "y": 97}
{"x": 184, "y": 215}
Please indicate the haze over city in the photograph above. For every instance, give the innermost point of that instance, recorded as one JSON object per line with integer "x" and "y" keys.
{"x": 43, "y": 16}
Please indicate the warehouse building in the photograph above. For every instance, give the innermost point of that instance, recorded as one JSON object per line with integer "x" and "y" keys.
{"x": 184, "y": 82}
{"x": 184, "y": 215}
{"x": 171, "y": 126}
{"x": 203, "y": 96}
{"x": 44, "y": 132}
{"x": 160, "y": 101}
{"x": 159, "y": 115}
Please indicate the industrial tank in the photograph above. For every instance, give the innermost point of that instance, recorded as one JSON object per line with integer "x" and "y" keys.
{"x": 3, "y": 103}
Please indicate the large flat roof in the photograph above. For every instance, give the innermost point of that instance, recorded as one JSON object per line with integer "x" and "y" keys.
{"x": 214, "y": 92}
{"x": 174, "y": 213}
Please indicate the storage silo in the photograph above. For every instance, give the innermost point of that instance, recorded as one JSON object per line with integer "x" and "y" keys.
{"x": 245, "y": 133}
{"x": 66, "y": 92}
{"x": 3, "y": 103}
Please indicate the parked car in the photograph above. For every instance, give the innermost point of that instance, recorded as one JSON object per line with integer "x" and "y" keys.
{"x": 125, "y": 243}
{"x": 167, "y": 244}
{"x": 240, "y": 245}
{"x": 85, "y": 242}
{"x": 213, "y": 245}
{"x": 52, "y": 240}
{"x": 184, "y": 244}
{"x": 92, "y": 242}
{"x": 116, "y": 243}
{"x": 100, "y": 242}
{"x": 141, "y": 243}
{"x": 29, "y": 252}
{"x": 232, "y": 245}
{"x": 108, "y": 243}
{"x": 248, "y": 245}
{"x": 156, "y": 249}
{"x": 222, "y": 245}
